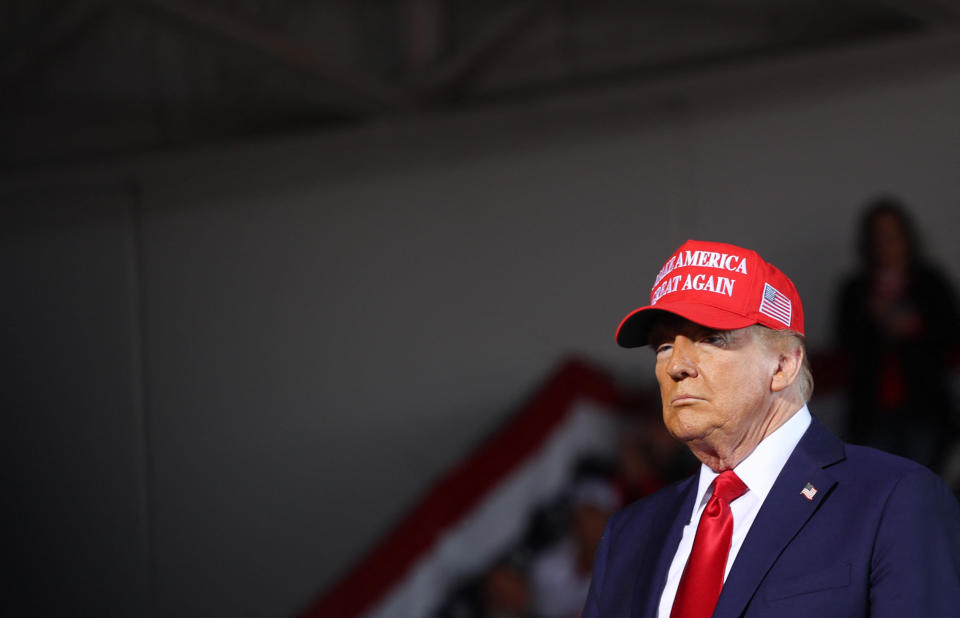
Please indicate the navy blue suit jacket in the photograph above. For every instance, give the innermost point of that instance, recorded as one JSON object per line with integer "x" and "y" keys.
{"x": 881, "y": 537}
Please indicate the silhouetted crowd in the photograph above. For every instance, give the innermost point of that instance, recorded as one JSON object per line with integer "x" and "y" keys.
{"x": 547, "y": 573}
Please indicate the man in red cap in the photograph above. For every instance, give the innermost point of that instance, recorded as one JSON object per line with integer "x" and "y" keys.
{"x": 783, "y": 519}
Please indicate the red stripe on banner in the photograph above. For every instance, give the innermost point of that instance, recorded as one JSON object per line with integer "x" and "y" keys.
{"x": 460, "y": 490}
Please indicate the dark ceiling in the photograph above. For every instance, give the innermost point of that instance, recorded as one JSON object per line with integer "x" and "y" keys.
{"x": 88, "y": 78}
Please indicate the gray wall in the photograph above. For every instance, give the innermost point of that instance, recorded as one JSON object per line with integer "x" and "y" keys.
{"x": 229, "y": 371}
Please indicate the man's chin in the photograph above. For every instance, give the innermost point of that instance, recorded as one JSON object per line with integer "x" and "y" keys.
{"x": 690, "y": 435}
{"x": 685, "y": 425}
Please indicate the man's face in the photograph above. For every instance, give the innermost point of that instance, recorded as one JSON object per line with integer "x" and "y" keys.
{"x": 715, "y": 385}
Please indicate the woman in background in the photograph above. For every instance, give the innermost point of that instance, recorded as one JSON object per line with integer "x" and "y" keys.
{"x": 898, "y": 324}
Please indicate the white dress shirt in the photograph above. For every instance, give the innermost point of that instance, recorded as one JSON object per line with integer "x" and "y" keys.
{"x": 758, "y": 472}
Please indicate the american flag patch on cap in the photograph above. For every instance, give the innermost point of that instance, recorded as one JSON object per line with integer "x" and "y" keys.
{"x": 776, "y": 305}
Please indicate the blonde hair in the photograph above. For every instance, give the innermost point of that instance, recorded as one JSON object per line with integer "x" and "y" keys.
{"x": 787, "y": 340}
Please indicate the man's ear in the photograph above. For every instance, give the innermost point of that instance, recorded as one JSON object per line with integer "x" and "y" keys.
{"x": 788, "y": 367}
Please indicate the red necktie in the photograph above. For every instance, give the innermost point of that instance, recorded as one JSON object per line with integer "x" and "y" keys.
{"x": 703, "y": 576}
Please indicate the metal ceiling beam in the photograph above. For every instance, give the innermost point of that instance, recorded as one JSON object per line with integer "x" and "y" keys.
{"x": 284, "y": 50}
{"x": 505, "y": 28}
{"x": 423, "y": 21}
{"x": 518, "y": 19}
{"x": 44, "y": 47}
{"x": 935, "y": 14}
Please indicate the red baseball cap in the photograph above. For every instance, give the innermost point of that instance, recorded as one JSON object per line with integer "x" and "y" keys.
{"x": 719, "y": 286}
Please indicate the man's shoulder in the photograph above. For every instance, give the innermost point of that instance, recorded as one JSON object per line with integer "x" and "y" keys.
{"x": 845, "y": 460}
{"x": 884, "y": 474}
{"x": 871, "y": 462}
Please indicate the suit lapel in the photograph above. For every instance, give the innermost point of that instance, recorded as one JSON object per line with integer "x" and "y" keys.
{"x": 783, "y": 514}
{"x": 669, "y": 520}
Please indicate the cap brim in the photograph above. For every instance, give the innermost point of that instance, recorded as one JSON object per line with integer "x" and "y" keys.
{"x": 634, "y": 330}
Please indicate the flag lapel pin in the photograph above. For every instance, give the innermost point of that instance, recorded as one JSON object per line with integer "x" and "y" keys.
{"x": 809, "y": 491}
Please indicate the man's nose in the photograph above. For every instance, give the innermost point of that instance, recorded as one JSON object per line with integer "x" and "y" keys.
{"x": 682, "y": 359}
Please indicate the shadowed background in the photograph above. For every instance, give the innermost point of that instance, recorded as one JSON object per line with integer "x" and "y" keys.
{"x": 269, "y": 269}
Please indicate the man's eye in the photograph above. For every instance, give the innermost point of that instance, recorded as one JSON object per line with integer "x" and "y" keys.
{"x": 663, "y": 347}
{"x": 714, "y": 339}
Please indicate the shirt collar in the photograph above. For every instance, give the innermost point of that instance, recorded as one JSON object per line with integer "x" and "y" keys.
{"x": 760, "y": 469}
